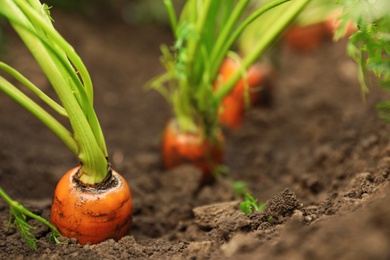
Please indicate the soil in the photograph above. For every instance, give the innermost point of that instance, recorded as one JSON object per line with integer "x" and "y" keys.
{"x": 319, "y": 157}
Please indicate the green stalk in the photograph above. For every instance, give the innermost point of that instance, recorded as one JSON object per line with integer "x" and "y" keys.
{"x": 228, "y": 40}
{"x": 221, "y": 47}
{"x": 269, "y": 36}
{"x": 40, "y": 113}
{"x": 78, "y": 104}
{"x": 44, "y": 22}
{"x": 193, "y": 44}
{"x": 227, "y": 5}
{"x": 183, "y": 98}
{"x": 210, "y": 27}
{"x": 85, "y": 88}
{"x": 18, "y": 215}
{"x": 39, "y": 93}
{"x": 172, "y": 16}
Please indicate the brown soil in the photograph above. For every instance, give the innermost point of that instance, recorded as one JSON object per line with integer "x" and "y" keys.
{"x": 319, "y": 157}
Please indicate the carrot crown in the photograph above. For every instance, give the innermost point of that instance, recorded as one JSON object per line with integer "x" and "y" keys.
{"x": 205, "y": 32}
{"x": 68, "y": 77}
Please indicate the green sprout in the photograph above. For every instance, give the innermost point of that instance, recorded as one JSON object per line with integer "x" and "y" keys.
{"x": 250, "y": 205}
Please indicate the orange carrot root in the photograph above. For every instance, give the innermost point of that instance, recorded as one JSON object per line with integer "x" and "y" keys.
{"x": 305, "y": 38}
{"x": 181, "y": 148}
{"x": 256, "y": 91}
{"x": 91, "y": 215}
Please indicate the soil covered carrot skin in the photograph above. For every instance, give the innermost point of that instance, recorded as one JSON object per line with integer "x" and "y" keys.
{"x": 180, "y": 148}
{"x": 90, "y": 214}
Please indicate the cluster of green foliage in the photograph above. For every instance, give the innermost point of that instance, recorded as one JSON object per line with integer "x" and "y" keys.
{"x": 205, "y": 32}
{"x": 370, "y": 45}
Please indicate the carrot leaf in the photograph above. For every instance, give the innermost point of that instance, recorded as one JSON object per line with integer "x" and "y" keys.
{"x": 18, "y": 218}
{"x": 369, "y": 46}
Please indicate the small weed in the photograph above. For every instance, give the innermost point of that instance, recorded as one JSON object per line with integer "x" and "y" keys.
{"x": 250, "y": 205}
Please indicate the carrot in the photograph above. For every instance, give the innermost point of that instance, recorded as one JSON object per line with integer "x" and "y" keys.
{"x": 304, "y": 38}
{"x": 254, "y": 89}
{"x": 91, "y": 203}
{"x": 92, "y": 214}
{"x": 231, "y": 112}
{"x": 257, "y": 77}
{"x": 179, "y": 148}
{"x": 254, "y": 79}
{"x": 309, "y": 37}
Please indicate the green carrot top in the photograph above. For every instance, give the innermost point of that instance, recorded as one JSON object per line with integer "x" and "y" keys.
{"x": 205, "y": 32}
{"x": 70, "y": 80}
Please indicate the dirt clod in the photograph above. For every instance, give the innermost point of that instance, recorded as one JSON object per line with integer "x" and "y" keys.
{"x": 282, "y": 205}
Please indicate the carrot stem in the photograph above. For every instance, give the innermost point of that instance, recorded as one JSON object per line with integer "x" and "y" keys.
{"x": 84, "y": 88}
{"x": 54, "y": 55}
{"x": 172, "y": 16}
{"x": 269, "y": 36}
{"x": 229, "y": 39}
{"x": 24, "y": 81}
{"x": 221, "y": 46}
{"x": 40, "y": 113}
